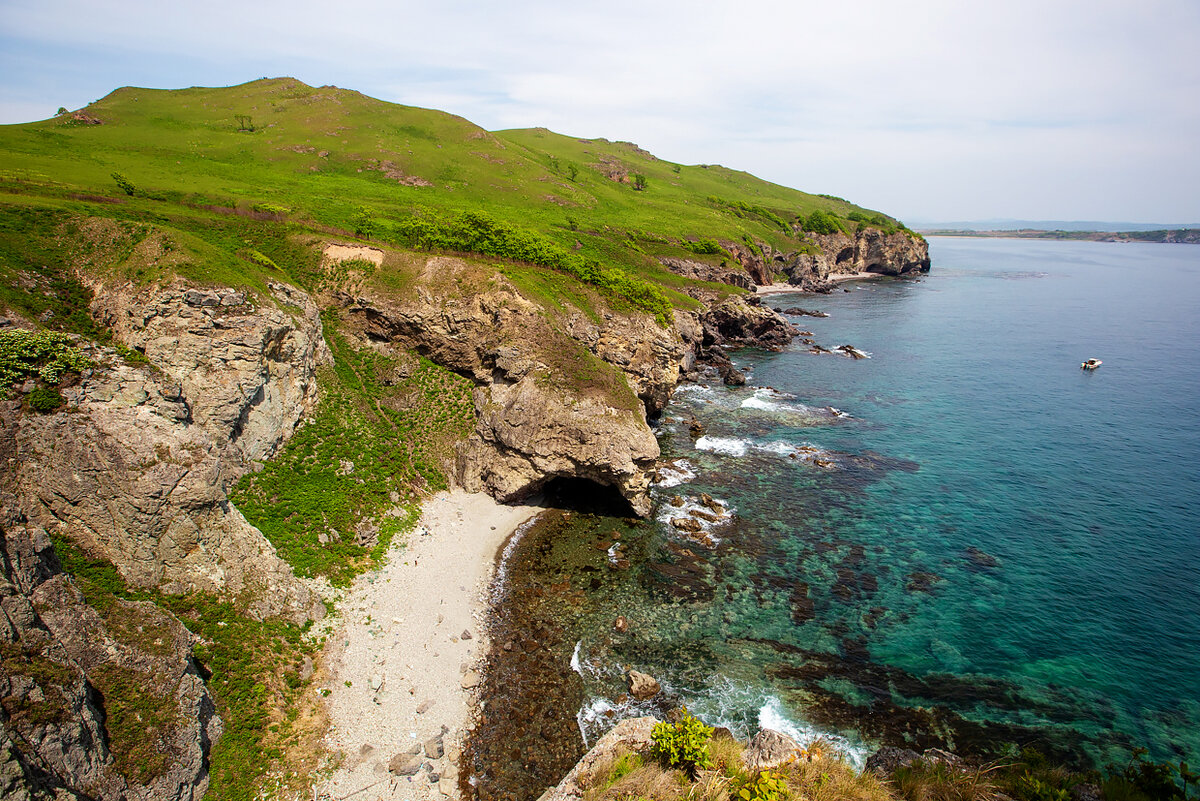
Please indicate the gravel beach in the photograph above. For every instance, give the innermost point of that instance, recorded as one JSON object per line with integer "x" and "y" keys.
{"x": 401, "y": 667}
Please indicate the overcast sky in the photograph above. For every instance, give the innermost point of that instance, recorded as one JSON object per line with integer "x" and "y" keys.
{"x": 926, "y": 109}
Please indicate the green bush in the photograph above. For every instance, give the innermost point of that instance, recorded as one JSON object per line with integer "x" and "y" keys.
{"x": 683, "y": 744}
{"x": 1141, "y": 778}
{"x": 123, "y": 183}
{"x": 740, "y": 208}
{"x": 131, "y": 355}
{"x": 704, "y": 246}
{"x": 262, "y": 260}
{"x": 821, "y": 222}
{"x": 763, "y": 786}
{"x": 44, "y": 400}
{"x": 45, "y": 354}
{"x": 1034, "y": 789}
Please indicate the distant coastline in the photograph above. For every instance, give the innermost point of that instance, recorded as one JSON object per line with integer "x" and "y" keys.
{"x": 1183, "y": 236}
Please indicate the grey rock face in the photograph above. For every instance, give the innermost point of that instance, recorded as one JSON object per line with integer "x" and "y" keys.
{"x": 528, "y": 432}
{"x": 137, "y": 466}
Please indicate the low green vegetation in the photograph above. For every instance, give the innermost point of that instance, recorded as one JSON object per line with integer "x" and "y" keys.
{"x": 478, "y": 232}
{"x": 821, "y": 222}
{"x": 682, "y": 744}
{"x": 46, "y": 355}
{"x": 740, "y": 208}
{"x": 255, "y": 680}
{"x": 346, "y": 483}
{"x": 818, "y": 776}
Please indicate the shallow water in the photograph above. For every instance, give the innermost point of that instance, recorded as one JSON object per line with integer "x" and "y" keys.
{"x": 962, "y": 540}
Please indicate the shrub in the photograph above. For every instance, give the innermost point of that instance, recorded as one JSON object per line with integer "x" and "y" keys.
{"x": 763, "y": 786}
{"x": 683, "y": 744}
{"x": 362, "y": 223}
{"x": 704, "y": 246}
{"x": 45, "y": 354}
{"x": 820, "y": 222}
{"x": 131, "y": 355}
{"x": 1152, "y": 780}
{"x": 262, "y": 260}
{"x": 639, "y": 181}
{"x": 477, "y": 232}
{"x": 44, "y": 400}
{"x": 123, "y": 183}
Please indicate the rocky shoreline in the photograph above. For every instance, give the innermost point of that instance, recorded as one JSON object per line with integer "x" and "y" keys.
{"x": 137, "y": 466}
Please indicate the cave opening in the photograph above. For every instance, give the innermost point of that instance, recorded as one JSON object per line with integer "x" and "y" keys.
{"x": 586, "y": 496}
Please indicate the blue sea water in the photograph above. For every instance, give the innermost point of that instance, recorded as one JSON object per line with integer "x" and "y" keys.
{"x": 962, "y": 539}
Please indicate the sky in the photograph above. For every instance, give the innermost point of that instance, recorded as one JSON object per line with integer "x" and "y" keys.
{"x": 930, "y": 110}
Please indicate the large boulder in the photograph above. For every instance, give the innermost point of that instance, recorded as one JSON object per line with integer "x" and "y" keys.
{"x": 628, "y": 735}
{"x": 770, "y": 749}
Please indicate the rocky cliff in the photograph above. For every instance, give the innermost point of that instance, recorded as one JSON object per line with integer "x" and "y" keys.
{"x": 94, "y": 702}
{"x": 870, "y": 250}
{"x": 556, "y": 397}
{"x": 136, "y": 466}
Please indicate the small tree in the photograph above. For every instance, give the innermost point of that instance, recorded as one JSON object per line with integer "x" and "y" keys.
{"x": 124, "y": 183}
{"x": 245, "y": 122}
{"x": 572, "y": 170}
{"x": 639, "y": 181}
{"x": 61, "y": 111}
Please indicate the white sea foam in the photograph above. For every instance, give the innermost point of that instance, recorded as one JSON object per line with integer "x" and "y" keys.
{"x": 674, "y": 473}
{"x": 771, "y": 716}
{"x": 744, "y": 708}
{"x": 707, "y": 535}
{"x": 499, "y": 587}
{"x": 767, "y": 399}
{"x": 726, "y": 445}
{"x": 575, "y": 658}
{"x": 761, "y": 403}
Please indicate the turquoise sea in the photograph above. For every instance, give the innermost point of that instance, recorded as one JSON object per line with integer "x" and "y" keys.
{"x": 962, "y": 540}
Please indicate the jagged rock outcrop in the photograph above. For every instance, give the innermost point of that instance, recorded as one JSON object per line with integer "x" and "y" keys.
{"x": 699, "y": 271}
{"x": 136, "y": 467}
{"x": 869, "y": 251}
{"x": 245, "y": 368}
{"x": 632, "y": 735}
{"x": 93, "y": 704}
{"x": 753, "y": 263}
{"x": 544, "y": 408}
{"x": 738, "y": 322}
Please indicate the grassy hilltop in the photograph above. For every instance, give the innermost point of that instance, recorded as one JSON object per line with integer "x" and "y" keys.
{"x": 289, "y": 156}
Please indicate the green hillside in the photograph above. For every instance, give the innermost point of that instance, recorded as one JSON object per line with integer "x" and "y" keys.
{"x": 279, "y": 156}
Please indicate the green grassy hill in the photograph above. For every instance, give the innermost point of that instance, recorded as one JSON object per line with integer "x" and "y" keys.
{"x": 280, "y": 155}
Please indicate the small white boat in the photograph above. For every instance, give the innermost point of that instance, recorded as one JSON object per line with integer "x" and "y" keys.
{"x": 1091, "y": 364}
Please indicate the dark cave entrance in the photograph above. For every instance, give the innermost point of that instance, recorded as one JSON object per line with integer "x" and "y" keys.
{"x": 586, "y": 496}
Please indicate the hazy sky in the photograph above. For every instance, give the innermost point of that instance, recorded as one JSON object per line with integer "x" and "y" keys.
{"x": 1047, "y": 109}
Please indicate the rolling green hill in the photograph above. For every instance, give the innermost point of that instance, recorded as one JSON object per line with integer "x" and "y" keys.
{"x": 232, "y": 169}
